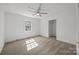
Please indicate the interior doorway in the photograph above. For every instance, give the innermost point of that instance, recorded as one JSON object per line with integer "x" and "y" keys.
{"x": 52, "y": 28}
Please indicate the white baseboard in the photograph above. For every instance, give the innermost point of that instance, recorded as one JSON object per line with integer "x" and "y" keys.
{"x": 23, "y": 38}
{"x": 68, "y": 42}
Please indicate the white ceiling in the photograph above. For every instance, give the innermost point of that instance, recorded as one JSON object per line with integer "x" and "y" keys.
{"x": 50, "y": 8}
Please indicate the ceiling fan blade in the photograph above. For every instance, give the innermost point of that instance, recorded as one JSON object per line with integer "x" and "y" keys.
{"x": 43, "y": 13}
{"x": 39, "y": 8}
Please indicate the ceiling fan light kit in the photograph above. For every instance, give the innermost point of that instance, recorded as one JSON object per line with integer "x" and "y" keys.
{"x": 37, "y": 14}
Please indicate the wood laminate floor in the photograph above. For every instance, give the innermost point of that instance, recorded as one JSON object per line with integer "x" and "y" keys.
{"x": 39, "y": 46}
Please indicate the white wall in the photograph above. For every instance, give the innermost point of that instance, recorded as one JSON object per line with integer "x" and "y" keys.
{"x": 63, "y": 13}
{"x": 44, "y": 28}
{"x": 15, "y": 28}
{"x": 1, "y": 28}
{"x": 65, "y": 25}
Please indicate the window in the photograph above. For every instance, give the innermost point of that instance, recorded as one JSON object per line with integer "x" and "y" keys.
{"x": 27, "y": 25}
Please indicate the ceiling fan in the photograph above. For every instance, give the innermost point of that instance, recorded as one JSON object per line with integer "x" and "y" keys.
{"x": 37, "y": 11}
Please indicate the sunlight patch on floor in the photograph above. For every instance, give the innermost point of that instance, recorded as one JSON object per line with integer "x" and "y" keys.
{"x": 31, "y": 43}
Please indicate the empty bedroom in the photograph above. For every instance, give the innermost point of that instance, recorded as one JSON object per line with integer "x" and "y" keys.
{"x": 39, "y": 29}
